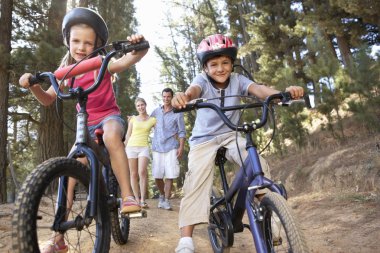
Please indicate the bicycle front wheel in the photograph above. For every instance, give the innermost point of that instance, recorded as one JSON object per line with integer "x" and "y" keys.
{"x": 36, "y": 210}
{"x": 280, "y": 230}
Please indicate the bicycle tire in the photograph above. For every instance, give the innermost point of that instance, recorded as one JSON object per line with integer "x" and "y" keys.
{"x": 280, "y": 230}
{"x": 33, "y": 217}
{"x": 120, "y": 225}
{"x": 220, "y": 228}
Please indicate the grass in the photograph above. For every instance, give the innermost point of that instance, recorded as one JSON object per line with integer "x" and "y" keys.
{"x": 361, "y": 197}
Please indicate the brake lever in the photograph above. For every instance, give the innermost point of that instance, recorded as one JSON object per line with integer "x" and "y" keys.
{"x": 288, "y": 101}
{"x": 198, "y": 100}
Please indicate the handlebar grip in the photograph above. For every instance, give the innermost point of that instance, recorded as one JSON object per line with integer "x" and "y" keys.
{"x": 35, "y": 80}
{"x": 286, "y": 96}
{"x": 83, "y": 67}
{"x": 188, "y": 107}
{"x": 135, "y": 47}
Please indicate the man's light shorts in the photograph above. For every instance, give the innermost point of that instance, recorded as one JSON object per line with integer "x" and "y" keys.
{"x": 165, "y": 165}
{"x": 136, "y": 152}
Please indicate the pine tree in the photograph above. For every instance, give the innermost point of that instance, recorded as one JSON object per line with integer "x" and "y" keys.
{"x": 5, "y": 49}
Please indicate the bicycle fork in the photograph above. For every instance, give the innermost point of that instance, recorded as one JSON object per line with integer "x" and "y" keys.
{"x": 60, "y": 224}
{"x": 254, "y": 212}
{"x": 255, "y": 217}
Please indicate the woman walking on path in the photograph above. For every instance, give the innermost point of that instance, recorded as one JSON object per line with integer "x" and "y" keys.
{"x": 137, "y": 148}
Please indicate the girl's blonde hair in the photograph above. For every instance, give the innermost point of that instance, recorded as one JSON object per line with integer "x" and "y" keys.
{"x": 138, "y": 99}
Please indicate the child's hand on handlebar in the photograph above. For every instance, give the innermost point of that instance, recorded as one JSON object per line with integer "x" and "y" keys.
{"x": 135, "y": 38}
{"x": 24, "y": 80}
{"x": 180, "y": 100}
{"x": 296, "y": 92}
{"x": 129, "y": 58}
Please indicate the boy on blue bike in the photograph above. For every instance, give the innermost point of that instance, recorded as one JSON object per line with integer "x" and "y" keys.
{"x": 216, "y": 54}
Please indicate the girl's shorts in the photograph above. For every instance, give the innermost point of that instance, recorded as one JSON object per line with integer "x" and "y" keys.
{"x": 136, "y": 152}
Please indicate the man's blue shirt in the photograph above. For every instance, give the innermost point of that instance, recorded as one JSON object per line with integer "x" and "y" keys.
{"x": 169, "y": 128}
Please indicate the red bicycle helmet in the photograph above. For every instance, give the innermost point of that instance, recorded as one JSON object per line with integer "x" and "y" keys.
{"x": 215, "y": 45}
{"x": 86, "y": 16}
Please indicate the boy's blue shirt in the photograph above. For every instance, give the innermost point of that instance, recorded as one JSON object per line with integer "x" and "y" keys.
{"x": 207, "y": 123}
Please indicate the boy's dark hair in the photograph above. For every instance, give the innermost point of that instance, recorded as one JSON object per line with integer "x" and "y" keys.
{"x": 167, "y": 90}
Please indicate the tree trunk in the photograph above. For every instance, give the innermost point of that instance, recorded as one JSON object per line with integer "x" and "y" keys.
{"x": 50, "y": 130}
{"x": 213, "y": 17}
{"x": 50, "y": 138}
{"x": 344, "y": 49}
{"x": 5, "y": 49}
{"x": 83, "y": 3}
{"x": 250, "y": 59}
{"x": 330, "y": 44}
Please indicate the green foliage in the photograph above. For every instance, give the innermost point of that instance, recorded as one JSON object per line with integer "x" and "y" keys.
{"x": 363, "y": 81}
{"x": 292, "y": 126}
{"x": 368, "y": 9}
{"x": 290, "y": 43}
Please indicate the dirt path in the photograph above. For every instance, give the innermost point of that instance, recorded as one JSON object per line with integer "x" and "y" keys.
{"x": 337, "y": 223}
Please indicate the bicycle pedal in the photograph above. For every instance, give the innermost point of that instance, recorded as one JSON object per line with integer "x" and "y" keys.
{"x": 142, "y": 214}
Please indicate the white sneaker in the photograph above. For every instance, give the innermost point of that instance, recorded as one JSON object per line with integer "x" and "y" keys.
{"x": 166, "y": 205}
{"x": 185, "y": 245}
{"x": 161, "y": 200}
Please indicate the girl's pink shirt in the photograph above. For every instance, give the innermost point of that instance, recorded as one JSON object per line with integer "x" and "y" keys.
{"x": 102, "y": 102}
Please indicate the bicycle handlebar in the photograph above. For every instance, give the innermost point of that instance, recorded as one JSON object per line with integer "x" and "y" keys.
{"x": 83, "y": 67}
{"x": 86, "y": 66}
{"x": 285, "y": 98}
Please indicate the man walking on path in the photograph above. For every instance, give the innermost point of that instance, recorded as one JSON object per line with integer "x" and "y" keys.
{"x": 167, "y": 147}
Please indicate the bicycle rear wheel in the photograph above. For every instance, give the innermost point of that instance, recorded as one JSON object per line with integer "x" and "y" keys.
{"x": 36, "y": 208}
{"x": 120, "y": 224}
{"x": 280, "y": 230}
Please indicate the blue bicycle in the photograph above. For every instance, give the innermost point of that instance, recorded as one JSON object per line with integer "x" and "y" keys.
{"x": 271, "y": 222}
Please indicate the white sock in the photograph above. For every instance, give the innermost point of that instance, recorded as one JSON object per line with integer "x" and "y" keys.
{"x": 186, "y": 240}
{"x": 185, "y": 243}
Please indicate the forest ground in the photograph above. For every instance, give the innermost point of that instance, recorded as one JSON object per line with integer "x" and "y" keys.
{"x": 333, "y": 190}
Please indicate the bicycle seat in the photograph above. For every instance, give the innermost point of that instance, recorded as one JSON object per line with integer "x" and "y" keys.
{"x": 99, "y": 136}
{"x": 220, "y": 156}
